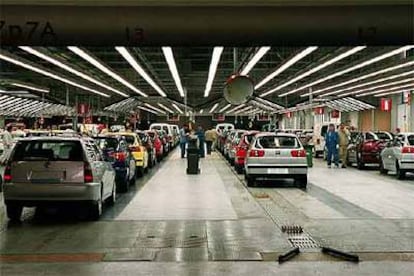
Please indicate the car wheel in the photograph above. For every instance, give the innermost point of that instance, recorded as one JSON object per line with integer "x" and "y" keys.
{"x": 301, "y": 181}
{"x": 239, "y": 169}
{"x": 112, "y": 198}
{"x": 400, "y": 173}
{"x": 360, "y": 164}
{"x": 139, "y": 171}
{"x": 250, "y": 181}
{"x": 381, "y": 168}
{"x": 159, "y": 158}
{"x": 14, "y": 211}
{"x": 95, "y": 211}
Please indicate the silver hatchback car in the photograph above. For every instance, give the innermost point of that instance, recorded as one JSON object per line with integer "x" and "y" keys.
{"x": 278, "y": 155}
{"x": 398, "y": 155}
{"x": 55, "y": 170}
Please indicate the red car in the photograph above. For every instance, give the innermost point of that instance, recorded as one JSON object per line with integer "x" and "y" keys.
{"x": 365, "y": 147}
{"x": 241, "y": 150}
{"x": 158, "y": 145}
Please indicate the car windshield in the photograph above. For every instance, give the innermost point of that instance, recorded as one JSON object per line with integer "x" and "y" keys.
{"x": 48, "y": 150}
{"x": 382, "y": 136}
{"x": 106, "y": 142}
{"x": 248, "y": 138}
{"x": 157, "y": 127}
{"x": 410, "y": 139}
{"x": 130, "y": 139}
{"x": 274, "y": 142}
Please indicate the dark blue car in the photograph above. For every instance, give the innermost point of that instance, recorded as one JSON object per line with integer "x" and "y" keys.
{"x": 116, "y": 151}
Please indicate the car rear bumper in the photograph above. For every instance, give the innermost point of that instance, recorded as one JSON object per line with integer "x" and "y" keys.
{"x": 407, "y": 165}
{"x": 51, "y": 192}
{"x": 276, "y": 170}
{"x": 372, "y": 157}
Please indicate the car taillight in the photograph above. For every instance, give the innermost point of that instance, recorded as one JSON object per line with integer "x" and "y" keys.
{"x": 7, "y": 177}
{"x": 120, "y": 156}
{"x": 87, "y": 173}
{"x": 407, "y": 149}
{"x": 256, "y": 153}
{"x": 298, "y": 153}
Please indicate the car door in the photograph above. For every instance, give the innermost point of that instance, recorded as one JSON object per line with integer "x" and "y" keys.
{"x": 386, "y": 156}
{"x": 99, "y": 167}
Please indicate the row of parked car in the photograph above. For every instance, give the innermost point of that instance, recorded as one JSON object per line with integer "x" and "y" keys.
{"x": 390, "y": 152}
{"x": 264, "y": 155}
{"x": 66, "y": 168}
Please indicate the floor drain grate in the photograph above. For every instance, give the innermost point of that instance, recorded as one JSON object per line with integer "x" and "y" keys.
{"x": 303, "y": 241}
{"x": 292, "y": 229}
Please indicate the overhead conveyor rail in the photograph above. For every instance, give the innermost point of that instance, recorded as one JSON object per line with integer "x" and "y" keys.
{"x": 16, "y": 106}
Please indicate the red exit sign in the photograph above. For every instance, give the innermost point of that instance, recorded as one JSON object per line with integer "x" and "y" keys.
{"x": 219, "y": 117}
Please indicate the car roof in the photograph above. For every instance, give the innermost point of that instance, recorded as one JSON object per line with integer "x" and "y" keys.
{"x": 49, "y": 138}
{"x": 261, "y": 134}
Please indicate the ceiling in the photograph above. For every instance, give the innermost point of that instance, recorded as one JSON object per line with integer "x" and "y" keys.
{"x": 193, "y": 69}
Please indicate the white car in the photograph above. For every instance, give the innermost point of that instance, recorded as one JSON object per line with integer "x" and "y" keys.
{"x": 398, "y": 155}
{"x": 276, "y": 156}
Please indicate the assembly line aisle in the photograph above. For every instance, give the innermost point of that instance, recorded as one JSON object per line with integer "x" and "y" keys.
{"x": 171, "y": 216}
{"x": 171, "y": 194}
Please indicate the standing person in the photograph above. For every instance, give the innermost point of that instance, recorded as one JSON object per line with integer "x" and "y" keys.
{"x": 343, "y": 135}
{"x": 331, "y": 143}
{"x": 201, "y": 139}
{"x": 209, "y": 140}
{"x": 183, "y": 139}
{"x": 215, "y": 136}
{"x": 7, "y": 139}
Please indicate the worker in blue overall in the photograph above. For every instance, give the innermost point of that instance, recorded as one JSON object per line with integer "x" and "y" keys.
{"x": 331, "y": 144}
{"x": 201, "y": 140}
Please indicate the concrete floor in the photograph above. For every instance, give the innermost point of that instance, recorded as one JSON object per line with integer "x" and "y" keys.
{"x": 171, "y": 223}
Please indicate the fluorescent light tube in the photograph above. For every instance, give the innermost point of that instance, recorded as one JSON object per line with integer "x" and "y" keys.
{"x": 373, "y": 74}
{"x": 367, "y": 83}
{"x": 177, "y": 108}
{"x": 169, "y": 57}
{"x": 155, "y": 108}
{"x": 70, "y": 69}
{"x": 352, "y": 68}
{"x": 104, "y": 69}
{"x": 166, "y": 108}
{"x": 49, "y": 74}
{"x": 34, "y": 88}
{"x": 215, "y": 59}
{"x": 255, "y": 59}
{"x": 315, "y": 69}
{"x": 214, "y": 108}
{"x": 286, "y": 65}
{"x": 132, "y": 61}
{"x": 388, "y": 89}
{"x": 147, "y": 109}
{"x": 224, "y": 108}
{"x": 379, "y": 86}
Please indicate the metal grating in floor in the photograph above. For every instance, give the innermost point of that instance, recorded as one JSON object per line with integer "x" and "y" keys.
{"x": 303, "y": 241}
{"x": 154, "y": 242}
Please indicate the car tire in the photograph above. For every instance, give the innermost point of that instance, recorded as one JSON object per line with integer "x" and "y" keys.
{"x": 159, "y": 158}
{"x": 112, "y": 198}
{"x": 139, "y": 171}
{"x": 400, "y": 173}
{"x": 250, "y": 181}
{"x": 239, "y": 169}
{"x": 382, "y": 169}
{"x": 360, "y": 164}
{"x": 14, "y": 211}
{"x": 95, "y": 209}
{"x": 301, "y": 181}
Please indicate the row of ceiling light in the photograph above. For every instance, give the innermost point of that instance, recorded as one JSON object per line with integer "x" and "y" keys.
{"x": 217, "y": 51}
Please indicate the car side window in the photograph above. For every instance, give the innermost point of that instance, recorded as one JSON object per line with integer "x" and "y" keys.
{"x": 369, "y": 136}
